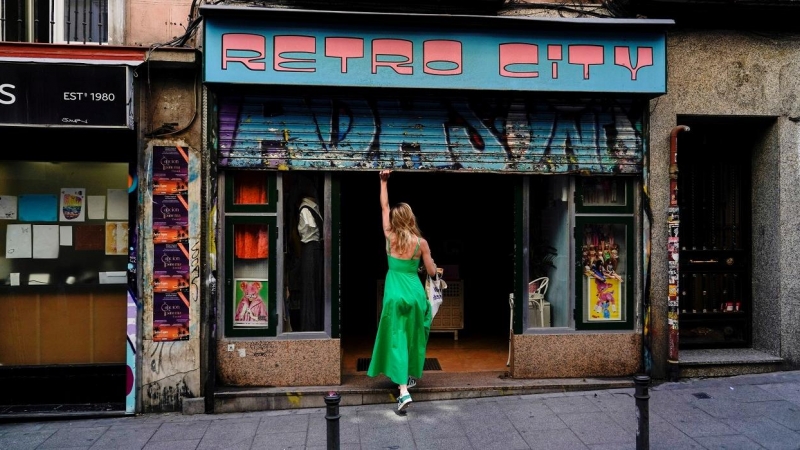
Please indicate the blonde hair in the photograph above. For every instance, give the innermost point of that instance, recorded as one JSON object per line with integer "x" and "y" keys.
{"x": 404, "y": 226}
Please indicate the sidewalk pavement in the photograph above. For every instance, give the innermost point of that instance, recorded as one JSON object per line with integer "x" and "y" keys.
{"x": 743, "y": 412}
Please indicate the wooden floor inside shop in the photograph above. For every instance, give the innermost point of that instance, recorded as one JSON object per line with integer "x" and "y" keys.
{"x": 466, "y": 355}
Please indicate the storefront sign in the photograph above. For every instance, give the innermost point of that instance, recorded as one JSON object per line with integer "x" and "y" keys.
{"x": 65, "y": 95}
{"x": 253, "y": 52}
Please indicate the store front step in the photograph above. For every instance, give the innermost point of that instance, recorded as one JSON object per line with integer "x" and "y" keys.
{"x": 726, "y": 362}
{"x": 362, "y": 390}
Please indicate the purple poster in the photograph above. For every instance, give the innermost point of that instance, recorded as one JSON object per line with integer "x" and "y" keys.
{"x": 170, "y": 163}
{"x": 170, "y": 211}
{"x": 170, "y": 316}
{"x": 170, "y": 259}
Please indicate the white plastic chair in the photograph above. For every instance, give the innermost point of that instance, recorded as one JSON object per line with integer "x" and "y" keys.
{"x": 536, "y": 290}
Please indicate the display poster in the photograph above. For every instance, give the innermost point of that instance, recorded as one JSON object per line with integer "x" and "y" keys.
{"x": 8, "y": 207}
{"x": 38, "y": 207}
{"x": 171, "y": 312}
{"x": 18, "y": 241}
{"x": 170, "y": 316}
{"x": 117, "y": 204}
{"x": 250, "y": 303}
{"x": 116, "y": 238}
{"x": 73, "y": 205}
{"x": 605, "y": 299}
{"x": 45, "y": 241}
{"x": 96, "y": 204}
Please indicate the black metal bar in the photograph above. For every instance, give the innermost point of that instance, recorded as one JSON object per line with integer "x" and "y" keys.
{"x": 20, "y": 21}
{"x": 100, "y": 23}
{"x": 35, "y": 21}
{"x": 3, "y": 24}
{"x": 642, "y": 397}
{"x": 332, "y": 416}
{"x": 53, "y": 37}
{"x": 85, "y": 24}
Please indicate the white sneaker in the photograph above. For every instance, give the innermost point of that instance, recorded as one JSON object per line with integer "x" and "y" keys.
{"x": 411, "y": 382}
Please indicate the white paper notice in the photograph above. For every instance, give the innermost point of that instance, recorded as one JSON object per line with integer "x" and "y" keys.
{"x": 97, "y": 206}
{"x": 45, "y": 241}
{"x": 65, "y": 236}
{"x": 18, "y": 240}
{"x": 117, "y": 204}
{"x": 15, "y": 279}
{"x": 73, "y": 205}
{"x": 8, "y": 207}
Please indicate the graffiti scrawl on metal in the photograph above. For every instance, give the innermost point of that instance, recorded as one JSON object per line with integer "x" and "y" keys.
{"x": 431, "y": 133}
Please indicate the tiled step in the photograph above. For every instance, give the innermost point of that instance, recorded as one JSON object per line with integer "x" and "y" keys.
{"x": 361, "y": 390}
{"x": 726, "y": 362}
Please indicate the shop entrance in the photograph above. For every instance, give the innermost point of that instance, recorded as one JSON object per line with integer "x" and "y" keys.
{"x": 715, "y": 236}
{"x": 468, "y": 220}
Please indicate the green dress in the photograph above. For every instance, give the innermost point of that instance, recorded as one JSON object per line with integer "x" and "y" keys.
{"x": 405, "y": 323}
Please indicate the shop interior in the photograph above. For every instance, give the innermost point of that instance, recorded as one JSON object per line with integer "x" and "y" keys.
{"x": 468, "y": 220}
{"x": 62, "y": 327}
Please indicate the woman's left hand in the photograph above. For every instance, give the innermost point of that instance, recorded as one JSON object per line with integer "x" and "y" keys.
{"x": 385, "y": 174}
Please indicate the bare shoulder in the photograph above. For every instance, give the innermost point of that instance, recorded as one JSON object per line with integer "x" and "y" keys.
{"x": 423, "y": 244}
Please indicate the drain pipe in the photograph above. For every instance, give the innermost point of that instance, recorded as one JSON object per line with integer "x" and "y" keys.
{"x": 673, "y": 224}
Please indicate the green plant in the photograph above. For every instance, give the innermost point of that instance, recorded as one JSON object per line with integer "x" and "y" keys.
{"x": 541, "y": 260}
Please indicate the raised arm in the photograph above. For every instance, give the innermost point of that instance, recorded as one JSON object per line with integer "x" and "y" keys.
{"x": 387, "y": 226}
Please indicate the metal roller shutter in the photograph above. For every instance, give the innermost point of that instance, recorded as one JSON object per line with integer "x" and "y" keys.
{"x": 480, "y": 134}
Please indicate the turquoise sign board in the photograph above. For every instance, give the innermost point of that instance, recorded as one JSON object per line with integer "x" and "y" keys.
{"x": 597, "y": 59}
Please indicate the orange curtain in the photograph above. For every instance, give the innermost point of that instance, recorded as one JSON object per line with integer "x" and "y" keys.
{"x": 251, "y": 241}
{"x": 249, "y": 188}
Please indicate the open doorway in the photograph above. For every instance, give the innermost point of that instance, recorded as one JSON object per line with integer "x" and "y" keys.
{"x": 468, "y": 220}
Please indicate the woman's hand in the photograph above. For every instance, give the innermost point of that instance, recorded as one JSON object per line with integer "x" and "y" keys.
{"x": 385, "y": 174}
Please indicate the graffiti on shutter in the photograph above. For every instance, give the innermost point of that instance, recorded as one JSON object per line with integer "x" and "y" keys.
{"x": 598, "y": 136}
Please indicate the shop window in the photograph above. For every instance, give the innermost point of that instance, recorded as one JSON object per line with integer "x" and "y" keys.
{"x": 548, "y": 289}
{"x": 305, "y": 238}
{"x": 250, "y": 308}
{"x": 70, "y": 21}
{"x": 251, "y": 260}
{"x": 604, "y": 276}
{"x": 250, "y": 191}
{"x": 606, "y": 195}
{"x": 64, "y": 238}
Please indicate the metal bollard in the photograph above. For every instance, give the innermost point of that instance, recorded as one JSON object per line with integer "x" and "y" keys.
{"x": 332, "y": 416}
{"x": 642, "y": 382}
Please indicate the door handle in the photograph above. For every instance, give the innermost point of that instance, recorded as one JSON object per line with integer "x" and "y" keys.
{"x": 707, "y": 261}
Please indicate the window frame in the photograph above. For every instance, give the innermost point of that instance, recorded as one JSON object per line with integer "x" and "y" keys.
{"x": 115, "y": 24}
{"x": 581, "y": 208}
{"x": 228, "y": 297}
{"x": 272, "y": 194}
{"x": 581, "y": 323}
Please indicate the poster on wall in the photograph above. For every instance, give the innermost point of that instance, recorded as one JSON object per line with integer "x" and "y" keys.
{"x": 116, "y": 238}
{"x": 73, "y": 205}
{"x": 171, "y": 304}
{"x": 170, "y": 316}
{"x": 605, "y": 299}
{"x": 170, "y": 211}
{"x": 8, "y": 207}
{"x": 250, "y": 302}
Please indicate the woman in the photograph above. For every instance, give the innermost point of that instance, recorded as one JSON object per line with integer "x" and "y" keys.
{"x": 399, "y": 351}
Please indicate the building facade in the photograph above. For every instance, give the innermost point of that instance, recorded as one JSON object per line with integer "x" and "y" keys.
{"x": 723, "y": 145}
{"x": 531, "y": 131}
{"x": 92, "y": 92}
{"x": 594, "y": 217}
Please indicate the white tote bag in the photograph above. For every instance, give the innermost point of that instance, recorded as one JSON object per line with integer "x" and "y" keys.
{"x": 435, "y": 287}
